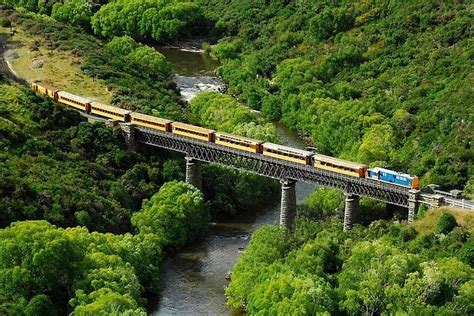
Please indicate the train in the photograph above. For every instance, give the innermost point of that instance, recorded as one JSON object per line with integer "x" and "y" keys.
{"x": 299, "y": 156}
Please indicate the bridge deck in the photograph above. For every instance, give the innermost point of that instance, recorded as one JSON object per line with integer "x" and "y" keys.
{"x": 272, "y": 167}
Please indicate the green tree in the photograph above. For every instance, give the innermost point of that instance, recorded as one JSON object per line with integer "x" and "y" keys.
{"x": 267, "y": 245}
{"x": 377, "y": 145}
{"x": 286, "y": 294}
{"x": 446, "y": 223}
{"x": 177, "y": 212}
{"x": 370, "y": 273}
{"x": 75, "y": 12}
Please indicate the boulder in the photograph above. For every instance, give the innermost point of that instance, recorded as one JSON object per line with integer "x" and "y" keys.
{"x": 37, "y": 63}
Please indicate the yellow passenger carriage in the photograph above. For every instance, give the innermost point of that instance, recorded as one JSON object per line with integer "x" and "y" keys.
{"x": 193, "y": 131}
{"x": 339, "y": 165}
{"x": 45, "y": 89}
{"x": 150, "y": 121}
{"x": 109, "y": 111}
{"x": 287, "y": 153}
{"x": 239, "y": 142}
{"x": 74, "y": 101}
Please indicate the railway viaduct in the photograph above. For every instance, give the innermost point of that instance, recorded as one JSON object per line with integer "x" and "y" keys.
{"x": 287, "y": 172}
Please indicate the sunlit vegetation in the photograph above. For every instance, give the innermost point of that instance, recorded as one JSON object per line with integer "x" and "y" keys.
{"x": 155, "y": 20}
{"x": 151, "y": 19}
{"x": 61, "y": 68}
{"x": 384, "y": 83}
{"x": 383, "y": 268}
{"x": 225, "y": 114}
{"x": 50, "y": 270}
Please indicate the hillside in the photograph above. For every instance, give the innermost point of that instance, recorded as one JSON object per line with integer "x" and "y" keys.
{"x": 387, "y": 84}
{"x": 383, "y": 83}
{"x": 85, "y": 224}
{"x": 384, "y": 268}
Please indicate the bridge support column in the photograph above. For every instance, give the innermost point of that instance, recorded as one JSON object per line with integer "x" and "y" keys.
{"x": 437, "y": 201}
{"x": 193, "y": 172}
{"x": 128, "y": 131}
{"x": 351, "y": 211}
{"x": 114, "y": 125}
{"x": 413, "y": 204}
{"x": 288, "y": 203}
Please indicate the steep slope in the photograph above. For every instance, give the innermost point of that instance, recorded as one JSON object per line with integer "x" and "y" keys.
{"x": 387, "y": 84}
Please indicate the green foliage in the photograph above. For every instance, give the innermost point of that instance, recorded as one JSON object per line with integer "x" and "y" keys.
{"x": 267, "y": 245}
{"x": 106, "y": 302}
{"x": 74, "y": 12}
{"x": 231, "y": 191}
{"x": 173, "y": 170}
{"x": 43, "y": 265}
{"x": 137, "y": 57}
{"x": 446, "y": 223}
{"x": 348, "y": 75}
{"x": 286, "y": 294}
{"x": 385, "y": 268}
{"x": 323, "y": 202}
{"x": 44, "y": 268}
{"x": 150, "y": 19}
{"x": 467, "y": 253}
{"x": 39, "y": 305}
{"x": 225, "y": 114}
{"x": 177, "y": 212}
{"x": 372, "y": 270}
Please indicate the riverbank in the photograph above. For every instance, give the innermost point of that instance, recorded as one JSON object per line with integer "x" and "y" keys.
{"x": 193, "y": 280}
{"x": 223, "y": 233}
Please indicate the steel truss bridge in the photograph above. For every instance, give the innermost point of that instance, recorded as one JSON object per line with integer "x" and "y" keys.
{"x": 271, "y": 167}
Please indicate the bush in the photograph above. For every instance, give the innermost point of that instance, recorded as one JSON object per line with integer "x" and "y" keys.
{"x": 39, "y": 305}
{"x": 6, "y": 23}
{"x": 177, "y": 212}
{"x": 446, "y": 223}
{"x": 467, "y": 253}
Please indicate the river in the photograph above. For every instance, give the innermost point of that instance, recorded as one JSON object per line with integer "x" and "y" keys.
{"x": 193, "y": 280}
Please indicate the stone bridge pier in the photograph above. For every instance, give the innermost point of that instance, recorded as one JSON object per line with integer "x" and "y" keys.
{"x": 193, "y": 172}
{"x": 351, "y": 210}
{"x": 288, "y": 203}
{"x": 413, "y": 204}
{"x": 128, "y": 131}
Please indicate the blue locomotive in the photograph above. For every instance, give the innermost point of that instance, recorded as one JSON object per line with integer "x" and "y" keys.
{"x": 391, "y": 176}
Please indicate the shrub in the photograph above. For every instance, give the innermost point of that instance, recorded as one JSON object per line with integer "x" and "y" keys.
{"x": 6, "y": 23}
{"x": 467, "y": 253}
{"x": 446, "y": 223}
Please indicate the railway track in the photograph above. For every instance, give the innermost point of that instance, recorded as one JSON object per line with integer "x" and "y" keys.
{"x": 389, "y": 194}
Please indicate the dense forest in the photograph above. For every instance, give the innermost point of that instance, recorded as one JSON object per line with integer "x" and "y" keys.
{"x": 57, "y": 170}
{"x": 383, "y": 83}
{"x": 86, "y": 223}
{"x": 423, "y": 268}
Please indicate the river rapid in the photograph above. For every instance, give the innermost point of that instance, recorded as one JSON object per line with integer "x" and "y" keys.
{"x": 193, "y": 280}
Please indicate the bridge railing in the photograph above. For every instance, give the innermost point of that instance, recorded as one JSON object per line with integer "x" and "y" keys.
{"x": 461, "y": 203}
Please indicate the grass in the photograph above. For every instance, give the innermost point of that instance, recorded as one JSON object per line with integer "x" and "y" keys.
{"x": 427, "y": 224}
{"x": 61, "y": 69}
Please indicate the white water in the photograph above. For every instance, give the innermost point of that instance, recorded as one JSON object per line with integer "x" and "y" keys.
{"x": 190, "y": 86}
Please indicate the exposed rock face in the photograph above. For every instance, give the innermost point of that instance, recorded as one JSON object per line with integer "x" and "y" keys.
{"x": 37, "y": 63}
{"x": 11, "y": 55}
